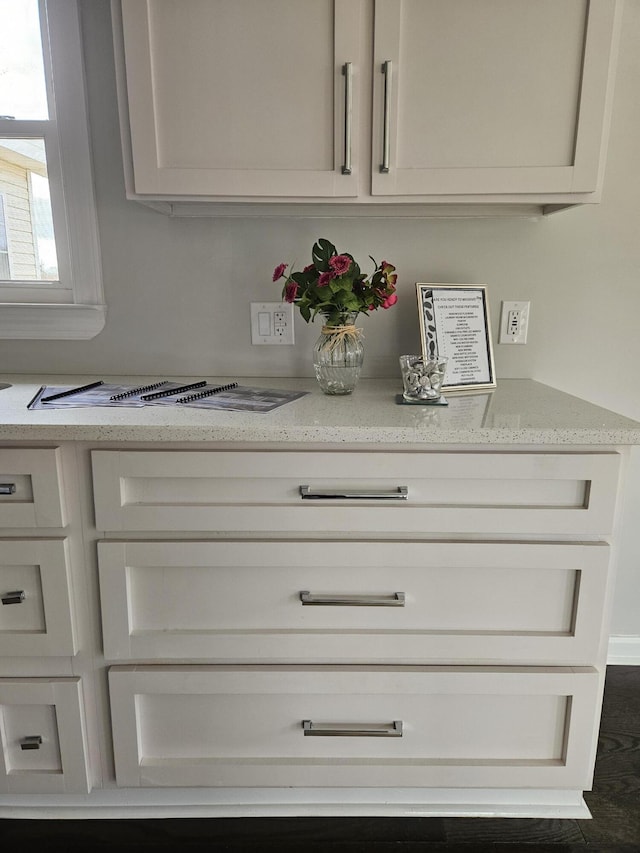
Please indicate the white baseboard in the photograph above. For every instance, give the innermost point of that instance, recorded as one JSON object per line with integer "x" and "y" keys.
{"x": 300, "y": 802}
{"x": 624, "y": 651}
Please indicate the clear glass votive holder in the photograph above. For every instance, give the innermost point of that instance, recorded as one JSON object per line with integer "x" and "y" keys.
{"x": 422, "y": 378}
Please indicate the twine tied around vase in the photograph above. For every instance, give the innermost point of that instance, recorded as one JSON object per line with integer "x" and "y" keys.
{"x": 337, "y": 335}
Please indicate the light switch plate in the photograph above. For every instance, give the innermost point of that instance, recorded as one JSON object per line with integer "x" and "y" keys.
{"x": 271, "y": 323}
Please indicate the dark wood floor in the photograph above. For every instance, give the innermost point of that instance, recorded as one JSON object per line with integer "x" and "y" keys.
{"x": 614, "y": 803}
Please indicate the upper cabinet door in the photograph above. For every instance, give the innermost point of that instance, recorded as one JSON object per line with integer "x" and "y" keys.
{"x": 477, "y": 98}
{"x": 239, "y": 98}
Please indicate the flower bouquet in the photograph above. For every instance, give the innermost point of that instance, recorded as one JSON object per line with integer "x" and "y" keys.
{"x": 334, "y": 286}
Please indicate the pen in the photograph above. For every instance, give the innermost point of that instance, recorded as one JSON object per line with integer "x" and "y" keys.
{"x": 35, "y": 396}
{"x": 71, "y": 391}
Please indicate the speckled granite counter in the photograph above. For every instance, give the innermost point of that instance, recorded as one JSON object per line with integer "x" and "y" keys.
{"x": 519, "y": 411}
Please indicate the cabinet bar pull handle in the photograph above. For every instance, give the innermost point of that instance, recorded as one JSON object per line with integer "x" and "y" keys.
{"x": 14, "y": 597}
{"x": 347, "y": 70}
{"x": 7, "y": 488}
{"x": 31, "y": 742}
{"x": 386, "y": 117}
{"x": 312, "y": 729}
{"x": 401, "y": 493}
{"x": 394, "y": 599}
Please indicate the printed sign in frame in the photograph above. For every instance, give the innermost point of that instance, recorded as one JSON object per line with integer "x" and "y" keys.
{"x": 454, "y": 324}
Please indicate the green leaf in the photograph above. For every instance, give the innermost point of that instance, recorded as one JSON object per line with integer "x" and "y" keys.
{"x": 351, "y": 301}
{"x": 321, "y": 252}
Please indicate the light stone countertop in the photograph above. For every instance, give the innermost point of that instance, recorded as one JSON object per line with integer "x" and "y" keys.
{"x": 517, "y": 412}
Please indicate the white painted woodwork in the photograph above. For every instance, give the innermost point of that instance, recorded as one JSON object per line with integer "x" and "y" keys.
{"x": 508, "y": 97}
{"x": 195, "y": 726}
{"x": 506, "y": 102}
{"x": 494, "y": 663}
{"x": 42, "y": 624}
{"x": 38, "y": 497}
{"x": 51, "y": 708}
{"x": 242, "y": 802}
{"x": 226, "y": 99}
{"x": 483, "y": 493}
{"x": 474, "y": 602}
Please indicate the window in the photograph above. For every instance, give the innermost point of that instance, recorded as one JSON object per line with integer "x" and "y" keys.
{"x": 50, "y": 274}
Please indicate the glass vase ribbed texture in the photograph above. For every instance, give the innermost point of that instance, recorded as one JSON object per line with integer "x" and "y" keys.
{"x": 338, "y": 355}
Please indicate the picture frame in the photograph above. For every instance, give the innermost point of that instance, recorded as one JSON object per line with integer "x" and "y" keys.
{"x": 454, "y": 324}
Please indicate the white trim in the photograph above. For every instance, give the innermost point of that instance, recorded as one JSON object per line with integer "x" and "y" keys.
{"x": 624, "y": 651}
{"x": 66, "y": 136}
{"x": 50, "y": 321}
{"x": 292, "y": 802}
{"x": 230, "y": 208}
{"x": 3, "y": 223}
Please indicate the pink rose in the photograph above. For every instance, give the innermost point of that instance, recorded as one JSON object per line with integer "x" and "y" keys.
{"x": 279, "y": 271}
{"x": 340, "y": 264}
{"x": 390, "y": 300}
{"x": 309, "y": 268}
{"x": 290, "y": 291}
{"x": 324, "y": 279}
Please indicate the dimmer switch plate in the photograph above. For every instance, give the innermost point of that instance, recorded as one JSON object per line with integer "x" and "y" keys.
{"x": 514, "y": 322}
{"x": 271, "y": 323}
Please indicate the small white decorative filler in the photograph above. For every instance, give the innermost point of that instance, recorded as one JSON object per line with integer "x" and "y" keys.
{"x": 454, "y": 325}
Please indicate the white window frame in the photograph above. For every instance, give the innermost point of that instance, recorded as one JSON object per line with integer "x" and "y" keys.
{"x": 3, "y": 223}
{"x": 73, "y": 307}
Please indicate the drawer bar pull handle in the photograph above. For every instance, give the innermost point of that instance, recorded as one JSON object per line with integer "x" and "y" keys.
{"x": 401, "y": 493}
{"x": 31, "y": 742}
{"x": 312, "y": 729}
{"x": 16, "y": 596}
{"x": 7, "y": 488}
{"x": 395, "y": 599}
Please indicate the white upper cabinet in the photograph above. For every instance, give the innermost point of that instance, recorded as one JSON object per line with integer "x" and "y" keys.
{"x": 365, "y": 104}
{"x": 231, "y": 98}
{"x": 498, "y": 97}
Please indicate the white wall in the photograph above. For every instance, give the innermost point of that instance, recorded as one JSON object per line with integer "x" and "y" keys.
{"x": 178, "y": 290}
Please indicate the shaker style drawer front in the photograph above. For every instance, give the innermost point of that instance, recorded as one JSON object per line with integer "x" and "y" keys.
{"x": 371, "y": 602}
{"x": 31, "y": 488}
{"x": 43, "y": 737}
{"x": 36, "y": 605}
{"x": 349, "y": 726}
{"x": 345, "y": 492}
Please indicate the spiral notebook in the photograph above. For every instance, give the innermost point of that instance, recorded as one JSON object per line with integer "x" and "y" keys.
{"x": 199, "y": 394}
{"x": 96, "y": 394}
{"x": 72, "y": 397}
{"x": 231, "y": 397}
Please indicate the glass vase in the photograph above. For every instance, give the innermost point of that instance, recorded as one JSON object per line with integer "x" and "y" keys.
{"x": 338, "y": 355}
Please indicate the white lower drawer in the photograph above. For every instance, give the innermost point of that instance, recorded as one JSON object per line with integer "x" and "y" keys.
{"x": 31, "y": 488}
{"x": 401, "y": 602}
{"x": 354, "y": 491}
{"x": 379, "y": 726}
{"x": 36, "y": 605}
{"x": 42, "y": 735}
